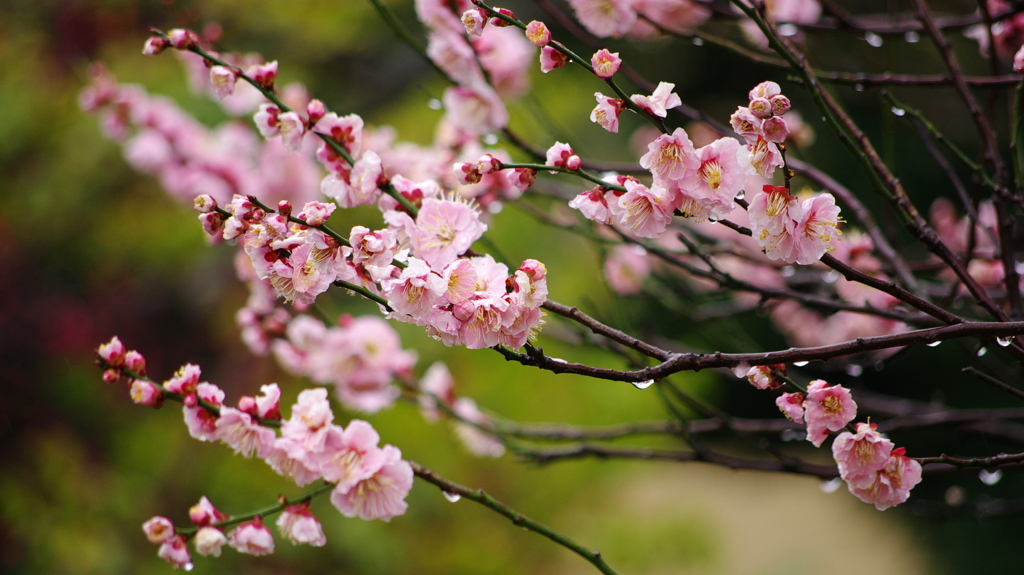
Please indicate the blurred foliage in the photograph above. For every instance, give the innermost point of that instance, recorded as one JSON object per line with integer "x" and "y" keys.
{"x": 91, "y": 249}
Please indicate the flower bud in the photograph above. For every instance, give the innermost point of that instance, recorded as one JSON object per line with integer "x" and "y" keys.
{"x": 145, "y": 393}
{"x": 182, "y": 39}
{"x": 573, "y": 162}
{"x": 264, "y": 74}
{"x": 467, "y": 173}
{"x": 780, "y": 104}
{"x": 158, "y": 530}
{"x": 775, "y": 129}
{"x": 154, "y": 45}
{"x": 209, "y": 540}
{"x": 760, "y": 108}
{"x": 112, "y": 352}
{"x": 223, "y": 80}
{"x": 474, "y": 21}
{"x": 205, "y": 203}
{"x": 498, "y": 22}
{"x": 315, "y": 110}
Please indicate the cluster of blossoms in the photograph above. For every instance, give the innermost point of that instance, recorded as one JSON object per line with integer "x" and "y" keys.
{"x": 790, "y": 230}
{"x": 634, "y": 18}
{"x": 874, "y": 470}
{"x": 369, "y": 482}
{"x": 763, "y": 128}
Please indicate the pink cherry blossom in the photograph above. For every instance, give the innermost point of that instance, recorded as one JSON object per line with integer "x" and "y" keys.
{"x": 530, "y": 285}
{"x": 350, "y": 455}
{"x": 605, "y": 63}
{"x": 626, "y": 268}
{"x": 209, "y": 541}
{"x": 645, "y": 212}
{"x": 444, "y": 229}
{"x": 145, "y": 393}
{"x": 746, "y": 124}
{"x": 298, "y": 525}
{"x": 604, "y": 18}
{"x": 538, "y": 34}
{"x": 112, "y": 352}
{"x": 345, "y": 130}
{"x": 358, "y": 187}
{"x": 243, "y": 435}
{"x": 316, "y": 213}
{"x": 716, "y": 174}
{"x": 381, "y": 496}
{"x": 771, "y": 220}
{"x": 175, "y": 553}
{"x": 267, "y": 120}
{"x": 669, "y": 156}
{"x": 158, "y": 530}
{"x": 310, "y": 420}
{"x": 522, "y": 178}
{"x": 133, "y": 361}
{"x": 814, "y": 232}
{"x": 415, "y": 291}
{"x": 252, "y": 538}
{"x": 892, "y": 483}
{"x": 474, "y": 21}
{"x": 476, "y": 110}
{"x": 438, "y": 382}
{"x": 223, "y": 80}
{"x": 558, "y": 155}
{"x": 476, "y": 441}
{"x": 775, "y": 129}
{"x": 607, "y": 111}
{"x": 593, "y": 205}
{"x": 658, "y": 103}
{"x": 204, "y": 513}
{"x": 792, "y": 406}
{"x": 827, "y": 408}
{"x": 453, "y": 54}
{"x": 154, "y": 45}
{"x": 264, "y": 74}
{"x": 1018, "y": 61}
{"x": 764, "y": 158}
{"x": 767, "y": 376}
{"x": 551, "y": 59}
{"x": 860, "y": 456}
{"x": 202, "y": 424}
{"x": 292, "y": 129}
{"x": 182, "y": 39}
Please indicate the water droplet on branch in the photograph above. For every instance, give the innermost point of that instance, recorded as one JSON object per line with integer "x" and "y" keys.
{"x": 935, "y": 343}
{"x": 912, "y": 37}
{"x": 854, "y": 370}
{"x": 1004, "y": 341}
{"x": 434, "y": 104}
{"x": 899, "y": 111}
{"x": 990, "y": 477}
{"x": 453, "y": 497}
{"x": 982, "y": 351}
{"x": 698, "y": 42}
{"x": 874, "y": 40}
{"x": 643, "y": 384}
{"x": 832, "y": 485}
{"x": 800, "y": 363}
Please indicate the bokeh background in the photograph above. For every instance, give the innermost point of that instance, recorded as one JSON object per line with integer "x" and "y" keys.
{"x": 89, "y": 249}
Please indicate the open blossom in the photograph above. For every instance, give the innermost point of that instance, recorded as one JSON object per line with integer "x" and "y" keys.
{"x": 827, "y": 408}
{"x": 112, "y": 352}
{"x": 560, "y": 155}
{"x": 292, "y": 129}
{"x": 538, "y": 34}
{"x": 298, "y": 525}
{"x": 892, "y": 483}
{"x": 645, "y": 212}
{"x": 792, "y": 406}
{"x": 604, "y": 18}
{"x": 223, "y": 80}
{"x": 158, "y": 530}
{"x": 415, "y": 291}
{"x": 310, "y": 420}
{"x": 345, "y": 130}
{"x": 252, "y": 538}
{"x": 658, "y": 103}
{"x": 444, "y": 229}
{"x": 861, "y": 455}
{"x": 593, "y": 205}
{"x": 202, "y": 424}
{"x": 815, "y": 230}
{"x": 357, "y": 187}
{"x": 474, "y": 21}
{"x": 316, "y": 213}
{"x": 381, "y": 496}
{"x": 605, "y": 63}
{"x": 763, "y": 158}
{"x": 551, "y": 59}
{"x": 607, "y": 111}
{"x": 204, "y": 513}
{"x": 145, "y": 393}
{"x": 351, "y": 454}
{"x": 242, "y": 434}
{"x": 669, "y": 156}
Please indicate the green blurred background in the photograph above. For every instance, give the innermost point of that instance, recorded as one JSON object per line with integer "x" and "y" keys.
{"x": 89, "y": 249}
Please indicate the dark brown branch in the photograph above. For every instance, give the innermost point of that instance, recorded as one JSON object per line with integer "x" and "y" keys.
{"x": 695, "y": 362}
{"x": 599, "y": 328}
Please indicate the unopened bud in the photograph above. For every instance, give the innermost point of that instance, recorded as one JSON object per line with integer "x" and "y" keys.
{"x": 500, "y": 23}
{"x": 154, "y": 45}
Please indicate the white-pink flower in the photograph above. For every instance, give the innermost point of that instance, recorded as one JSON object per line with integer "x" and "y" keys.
{"x": 310, "y": 420}
{"x": 474, "y": 21}
{"x": 604, "y": 18}
{"x": 242, "y": 434}
{"x": 175, "y": 553}
{"x": 298, "y": 525}
{"x": 538, "y": 34}
{"x": 717, "y": 174}
{"x": 593, "y": 204}
{"x": 358, "y": 187}
{"x": 292, "y": 129}
{"x": 827, "y": 408}
{"x": 607, "y": 111}
{"x": 209, "y": 541}
{"x": 202, "y": 424}
{"x": 381, "y": 496}
{"x": 669, "y": 156}
{"x": 814, "y": 232}
{"x": 892, "y": 484}
{"x": 223, "y": 80}
{"x": 252, "y": 538}
{"x": 158, "y": 530}
{"x": 605, "y": 63}
{"x": 444, "y": 229}
{"x": 645, "y": 212}
{"x": 350, "y": 455}
{"x": 860, "y": 456}
{"x": 792, "y": 406}
{"x": 658, "y": 103}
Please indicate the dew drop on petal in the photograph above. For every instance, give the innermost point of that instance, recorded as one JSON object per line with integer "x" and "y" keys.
{"x": 854, "y": 370}
{"x": 800, "y": 363}
{"x": 898, "y": 111}
{"x": 698, "y": 42}
{"x": 643, "y": 384}
{"x": 491, "y": 139}
{"x": 832, "y": 485}
{"x": 788, "y": 29}
{"x": 935, "y": 343}
{"x": 858, "y": 87}
{"x": 912, "y": 37}
{"x": 1004, "y": 341}
{"x": 453, "y": 497}
{"x": 990, "y": 477}
{"x": 873, "y": 39}
{"x": 982, "y": 351}
{"x": 787, "y": 271}
{"x": 435, "y": 104}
